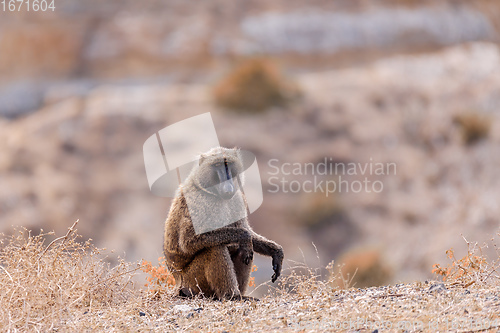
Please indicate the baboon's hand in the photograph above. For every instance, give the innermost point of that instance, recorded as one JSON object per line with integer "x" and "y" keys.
{"x": 277, "y": 262}
{"x": 246, "y": 255}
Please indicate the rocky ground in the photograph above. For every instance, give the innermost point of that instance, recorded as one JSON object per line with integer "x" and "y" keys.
{"x": 423, "y": 307}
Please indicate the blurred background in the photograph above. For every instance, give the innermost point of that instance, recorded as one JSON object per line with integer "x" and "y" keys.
{"x": 415, "y": 83}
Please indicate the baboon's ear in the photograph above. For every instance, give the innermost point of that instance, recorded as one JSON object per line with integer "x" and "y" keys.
{"x": 202, "y": 158}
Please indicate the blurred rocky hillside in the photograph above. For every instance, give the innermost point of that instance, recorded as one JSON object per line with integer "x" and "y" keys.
{"x": 47, "y": 57}
{"x": 389, "y": 81}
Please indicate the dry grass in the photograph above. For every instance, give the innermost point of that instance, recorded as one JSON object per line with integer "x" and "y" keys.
{"x": 66, "y": 286}
{"x": 49, "y": 286}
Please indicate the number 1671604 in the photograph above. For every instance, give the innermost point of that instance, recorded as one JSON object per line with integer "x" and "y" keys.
{"x": 27, "y": 5}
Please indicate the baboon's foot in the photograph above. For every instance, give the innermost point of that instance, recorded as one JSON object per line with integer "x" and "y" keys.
{"x": 185, "y": 293}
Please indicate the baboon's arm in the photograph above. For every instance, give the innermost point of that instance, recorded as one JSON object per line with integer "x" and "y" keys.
{"x": 191, "y": 243}
{"x": 269, "y": 248}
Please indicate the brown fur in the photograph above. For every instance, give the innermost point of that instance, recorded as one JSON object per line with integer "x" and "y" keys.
{"x": 215, "y": 263}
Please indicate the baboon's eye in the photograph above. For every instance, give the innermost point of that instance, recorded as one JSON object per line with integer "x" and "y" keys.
{"x": 218, "y": 164}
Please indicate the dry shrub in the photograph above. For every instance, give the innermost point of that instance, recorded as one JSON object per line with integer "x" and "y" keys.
{"x": 319, "y": 210}
{"x": 160, "y": 280}
{"x": 254, "y": 85}
{"x": 251, "y": 281}
{"x": 474, "y": 126}
{"x": 362, "y": 268}
{"x": 470, "y": 269}
{"x": 43, "y": 287}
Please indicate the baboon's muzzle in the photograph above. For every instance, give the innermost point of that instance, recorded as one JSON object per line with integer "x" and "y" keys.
{"x": 226, "y": 185}
{"x": 227, "y": 189}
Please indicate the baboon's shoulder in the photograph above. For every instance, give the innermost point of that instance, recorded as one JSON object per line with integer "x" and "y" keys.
{"x": 179, "y": 210}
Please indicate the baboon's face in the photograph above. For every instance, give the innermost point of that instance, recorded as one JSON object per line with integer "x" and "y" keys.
{"x": 220, "y": 173}
{"x": 224, "y": 171}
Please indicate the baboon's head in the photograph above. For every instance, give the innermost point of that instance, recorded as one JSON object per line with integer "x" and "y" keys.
{"x": 218, "y": 171}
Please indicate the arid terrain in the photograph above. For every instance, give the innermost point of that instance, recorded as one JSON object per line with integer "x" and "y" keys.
{"x": 412, "y": 86}
{"x": 66, "y": 286}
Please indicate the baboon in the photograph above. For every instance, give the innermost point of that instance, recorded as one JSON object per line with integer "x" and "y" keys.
{"x": 216, "y": 263}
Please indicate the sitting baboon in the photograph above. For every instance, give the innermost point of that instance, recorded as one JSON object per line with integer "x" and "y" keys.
{"x": 216, "y": 263}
